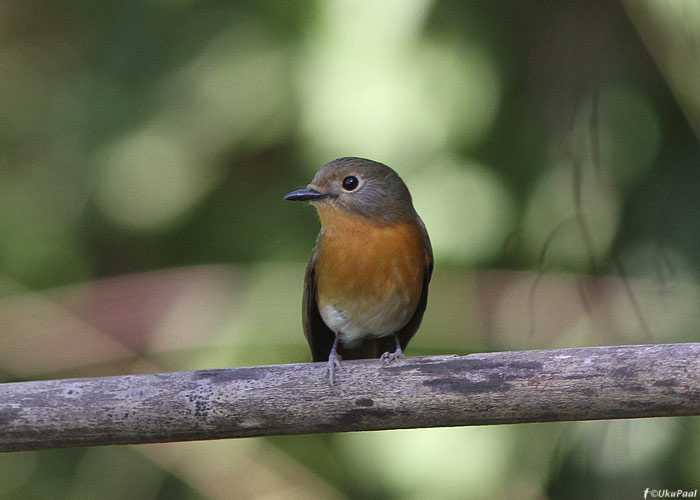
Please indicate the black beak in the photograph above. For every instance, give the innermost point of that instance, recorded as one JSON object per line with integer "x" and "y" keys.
{"x": 306, "y": 194}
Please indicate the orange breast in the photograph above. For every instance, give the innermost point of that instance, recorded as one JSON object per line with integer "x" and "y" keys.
{"x": 369, "y": 277}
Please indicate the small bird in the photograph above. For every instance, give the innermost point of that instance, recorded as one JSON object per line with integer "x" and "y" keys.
{"x": 366, "y": 285}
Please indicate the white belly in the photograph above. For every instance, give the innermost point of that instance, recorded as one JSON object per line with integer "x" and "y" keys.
{"x": 380, "y": 319}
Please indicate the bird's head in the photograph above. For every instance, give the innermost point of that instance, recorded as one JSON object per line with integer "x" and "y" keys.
{"x": 360, "y": 187}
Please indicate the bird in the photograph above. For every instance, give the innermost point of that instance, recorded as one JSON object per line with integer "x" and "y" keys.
{"x": 366, "y": 284}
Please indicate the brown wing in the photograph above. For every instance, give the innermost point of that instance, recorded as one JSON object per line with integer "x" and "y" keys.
{"x": 318, "y": 335}
{"x": 388, "y": 344}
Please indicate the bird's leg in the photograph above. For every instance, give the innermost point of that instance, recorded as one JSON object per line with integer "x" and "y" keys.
{"x": 388, "y": 357}
{"x": 333, "y": 359}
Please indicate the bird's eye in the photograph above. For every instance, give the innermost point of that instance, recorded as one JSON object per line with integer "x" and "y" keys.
{"x": 350, "y": 183}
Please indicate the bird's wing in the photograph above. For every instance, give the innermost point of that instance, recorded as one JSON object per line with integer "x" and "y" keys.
{"x": 318, "y": 335}
{"x": 407, "y": 332}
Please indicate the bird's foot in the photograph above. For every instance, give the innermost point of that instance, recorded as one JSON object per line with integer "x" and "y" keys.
{"x": 333, "y": 363}
{"x": 389, "y": 357}
{"x": 333, "y": 359}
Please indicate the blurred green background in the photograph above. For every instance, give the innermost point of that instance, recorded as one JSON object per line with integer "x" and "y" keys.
{"x": 551, "y": 148}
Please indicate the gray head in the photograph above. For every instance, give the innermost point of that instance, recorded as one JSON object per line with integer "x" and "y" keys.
{"x": 361, "y": 187}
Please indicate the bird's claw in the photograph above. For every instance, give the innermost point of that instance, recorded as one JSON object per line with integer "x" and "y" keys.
{"x": 389, "y": 357}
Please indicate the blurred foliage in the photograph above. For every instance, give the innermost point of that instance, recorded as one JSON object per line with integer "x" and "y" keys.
{"x": 144, "y": 150}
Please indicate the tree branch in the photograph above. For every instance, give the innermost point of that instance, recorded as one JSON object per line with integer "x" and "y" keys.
{"x": 487, "y": 388}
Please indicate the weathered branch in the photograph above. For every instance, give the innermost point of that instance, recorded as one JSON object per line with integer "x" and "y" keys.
{"x": 489, "y": 388}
